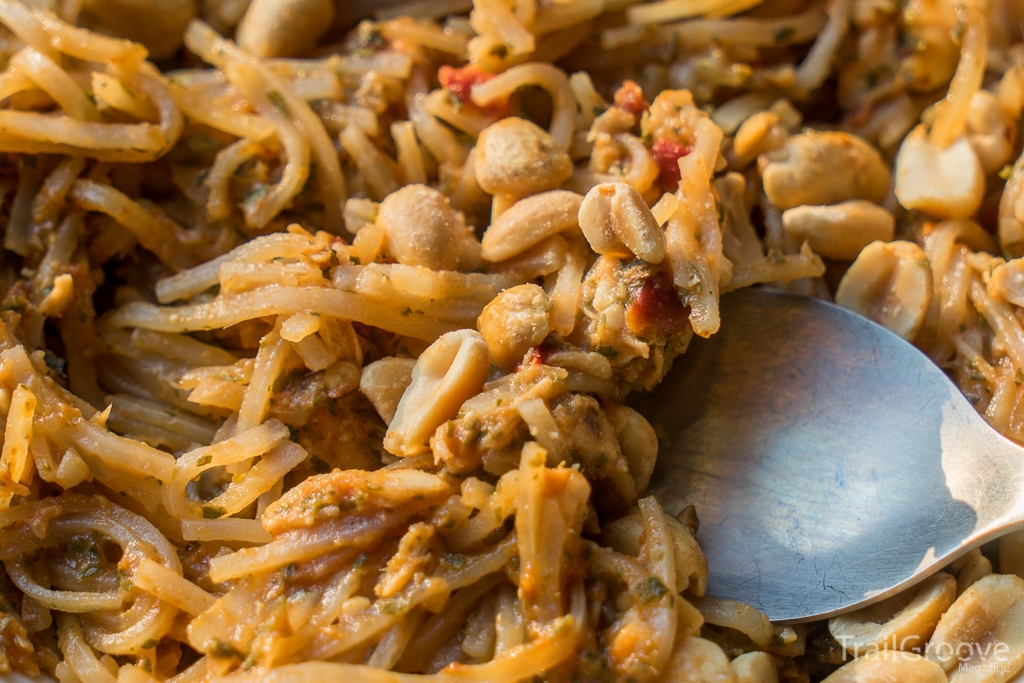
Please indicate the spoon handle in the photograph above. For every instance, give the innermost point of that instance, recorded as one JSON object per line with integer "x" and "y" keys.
{"x": 985, "y": 471}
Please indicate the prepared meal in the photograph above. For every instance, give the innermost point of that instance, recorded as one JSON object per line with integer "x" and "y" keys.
{"x": 318, "y": 320}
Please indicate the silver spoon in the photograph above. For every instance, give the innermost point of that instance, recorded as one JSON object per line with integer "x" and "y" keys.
{"x": 831, "y": 463}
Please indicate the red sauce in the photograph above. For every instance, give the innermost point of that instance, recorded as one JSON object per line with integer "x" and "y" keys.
{"x": 538, "y": 356}
{"x": 460, "y": 82}
{"x": 655, "y": 309}
{"x": 630, "y": 98}
{"x": 667, "y": 153}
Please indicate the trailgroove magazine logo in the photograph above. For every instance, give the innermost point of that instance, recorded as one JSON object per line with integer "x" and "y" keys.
{"x": 991, "y": 657}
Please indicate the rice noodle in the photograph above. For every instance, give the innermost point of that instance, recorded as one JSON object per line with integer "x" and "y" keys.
{"x": 208, "y": 111}
{"x": 269, "y": 202}
{"x": 38, "y": 133}
{"x": 1001, "y": 318}
{"x": 79, "y": 657}
{"x": 496, "y": 16}
{"x": 17, "y": 433}
{"x": 253, "y": 80}
{"x": 565, "y": 295}
{"x": 55, "y": 82}
{"x": 12, "y": 83}
{"x": 244, "y": 530}
{"x": 170, "y": 587}
{"x": 693, "y": 236}
{"x": 242, "y": 447}
{"x": 228, "y": 160}
{"x": 544, "y": 76}
{"x": 25, "y": 24}
{"x": 375, "y": 167}
{"x": 424, "y": 9}
{"x": 410, "y": 158}
{"x": 520, "y": 662}
{"x": 269, "y": 364}
{"x": 113, "y": 93}
{"x": 154, "y": 231}
{"x": 816, "y": 65}
{"x": 88, "y": 437}
{"x": 440, "y": 141}
{"x": 188, "y": 283}
{"x": 48, "y": 201}
{"x": 670, "y": 10}
{"x": 426, "y": 35}
{"x": 951, "y": 114}
{"x": 559, "y": 16}
{"x": 469, "y": 120}
{"x": 260, "y": 303}
{"x": 139, "y": 540}
{"x": 74, "y": 41}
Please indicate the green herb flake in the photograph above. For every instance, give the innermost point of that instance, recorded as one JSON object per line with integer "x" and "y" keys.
{"x": 455, "y": 560}
{"x": 255, "y": 194}
{"x": 204, "y": 460}
{"x": 16, "y": 304}
{"x": 650, "y": 589}
{"x": 1019, "y": 377}
{"x": 1006, "y": 171}
{"x": 278, "y": 101}
{"x": 213, "y": 512}
{"x": 370, "y": 37}
{"x": 124, "y": 580}
{"x": 784, "y": 33}
{"x": 54, "y": 363}
{"x": 252, "y": 660}
{"x": 392, "y": 605}
{"x": 221, "y": 650}
{"x": 88, "y": 556}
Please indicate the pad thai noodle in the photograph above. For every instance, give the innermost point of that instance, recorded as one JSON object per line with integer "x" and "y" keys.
{"x": 318, "y": 320}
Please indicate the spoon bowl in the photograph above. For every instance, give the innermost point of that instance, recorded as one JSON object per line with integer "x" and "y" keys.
{"x": 831, "y": 463}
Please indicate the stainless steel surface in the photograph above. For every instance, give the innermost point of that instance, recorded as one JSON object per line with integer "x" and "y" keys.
{"x": 830, "y": 461}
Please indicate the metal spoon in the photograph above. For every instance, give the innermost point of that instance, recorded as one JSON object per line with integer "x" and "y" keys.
{"x": 831, "y": 463}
